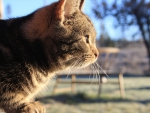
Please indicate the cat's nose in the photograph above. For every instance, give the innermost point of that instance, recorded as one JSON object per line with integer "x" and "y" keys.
{"x": 96, "y": 53}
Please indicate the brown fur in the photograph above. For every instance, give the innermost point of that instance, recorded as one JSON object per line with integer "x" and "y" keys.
{"x": 35, "y": 47}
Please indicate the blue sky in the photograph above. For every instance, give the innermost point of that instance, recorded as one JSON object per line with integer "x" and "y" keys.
{"x": 24, "y": 7}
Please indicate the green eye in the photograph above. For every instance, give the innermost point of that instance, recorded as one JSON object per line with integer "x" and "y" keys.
{"x": 87, "y": 38}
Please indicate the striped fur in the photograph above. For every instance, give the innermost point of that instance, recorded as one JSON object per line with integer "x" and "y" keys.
{"x": 35, "y": 47}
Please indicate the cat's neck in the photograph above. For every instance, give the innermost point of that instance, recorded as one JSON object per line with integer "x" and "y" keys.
{"x": 13, "y": 26}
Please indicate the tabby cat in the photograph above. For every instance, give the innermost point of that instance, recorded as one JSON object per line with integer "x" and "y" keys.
{"x": 35, "y": 47}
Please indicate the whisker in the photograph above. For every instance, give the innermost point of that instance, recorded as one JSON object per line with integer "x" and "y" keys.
{"x": 73, "y": 65}
{"x": 92, "y": 74}
{"x": 93, "y": 67}
{"x": 96, "y": 75}
{"x": 102, "y": 69}
{"x": 97, "y": 71}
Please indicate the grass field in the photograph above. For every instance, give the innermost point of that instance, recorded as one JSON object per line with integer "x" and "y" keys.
{"x": 86, "y": 101}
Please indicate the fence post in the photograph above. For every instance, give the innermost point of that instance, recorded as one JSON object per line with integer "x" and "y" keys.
{"x": 121, "y": 85}
{"x": 73, "y": 84}
{"x": 100, "y": 85}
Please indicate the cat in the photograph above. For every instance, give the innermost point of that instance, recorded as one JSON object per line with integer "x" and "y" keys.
{"x": 35, "y": 47}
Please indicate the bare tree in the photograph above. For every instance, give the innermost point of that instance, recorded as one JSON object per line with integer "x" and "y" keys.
{"x": 128, "y": 13}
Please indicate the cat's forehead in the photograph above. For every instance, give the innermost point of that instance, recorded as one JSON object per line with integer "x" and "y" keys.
{"x": 85, "y": 24}
{"x": 92, "y": 27}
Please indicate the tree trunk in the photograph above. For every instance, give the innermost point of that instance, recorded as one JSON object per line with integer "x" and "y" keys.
{"x": 144, "y": 37}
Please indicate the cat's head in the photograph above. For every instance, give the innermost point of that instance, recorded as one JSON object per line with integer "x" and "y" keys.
{"x": 68, "y": 34}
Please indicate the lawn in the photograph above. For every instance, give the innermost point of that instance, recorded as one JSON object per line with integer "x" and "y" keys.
{"x": 86, "y": 101}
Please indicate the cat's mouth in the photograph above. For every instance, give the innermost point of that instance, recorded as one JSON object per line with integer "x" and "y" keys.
{"x": 80, "y": 62}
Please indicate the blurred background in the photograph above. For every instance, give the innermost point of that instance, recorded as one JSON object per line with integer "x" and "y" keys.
{"x": 122, "y": 24}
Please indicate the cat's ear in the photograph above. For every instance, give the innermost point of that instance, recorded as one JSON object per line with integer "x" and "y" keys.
{"x": 81, "y": 4}
{"x": 67, "y": 7}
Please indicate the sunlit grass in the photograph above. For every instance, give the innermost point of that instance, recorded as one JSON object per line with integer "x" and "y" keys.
{"x": 86, "y": 100}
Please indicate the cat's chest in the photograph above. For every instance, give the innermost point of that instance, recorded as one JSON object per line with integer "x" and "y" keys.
{"x": 39, "y": 82}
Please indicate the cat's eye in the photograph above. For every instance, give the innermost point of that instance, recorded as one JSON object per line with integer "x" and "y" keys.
{"x": 87, "y": 38}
